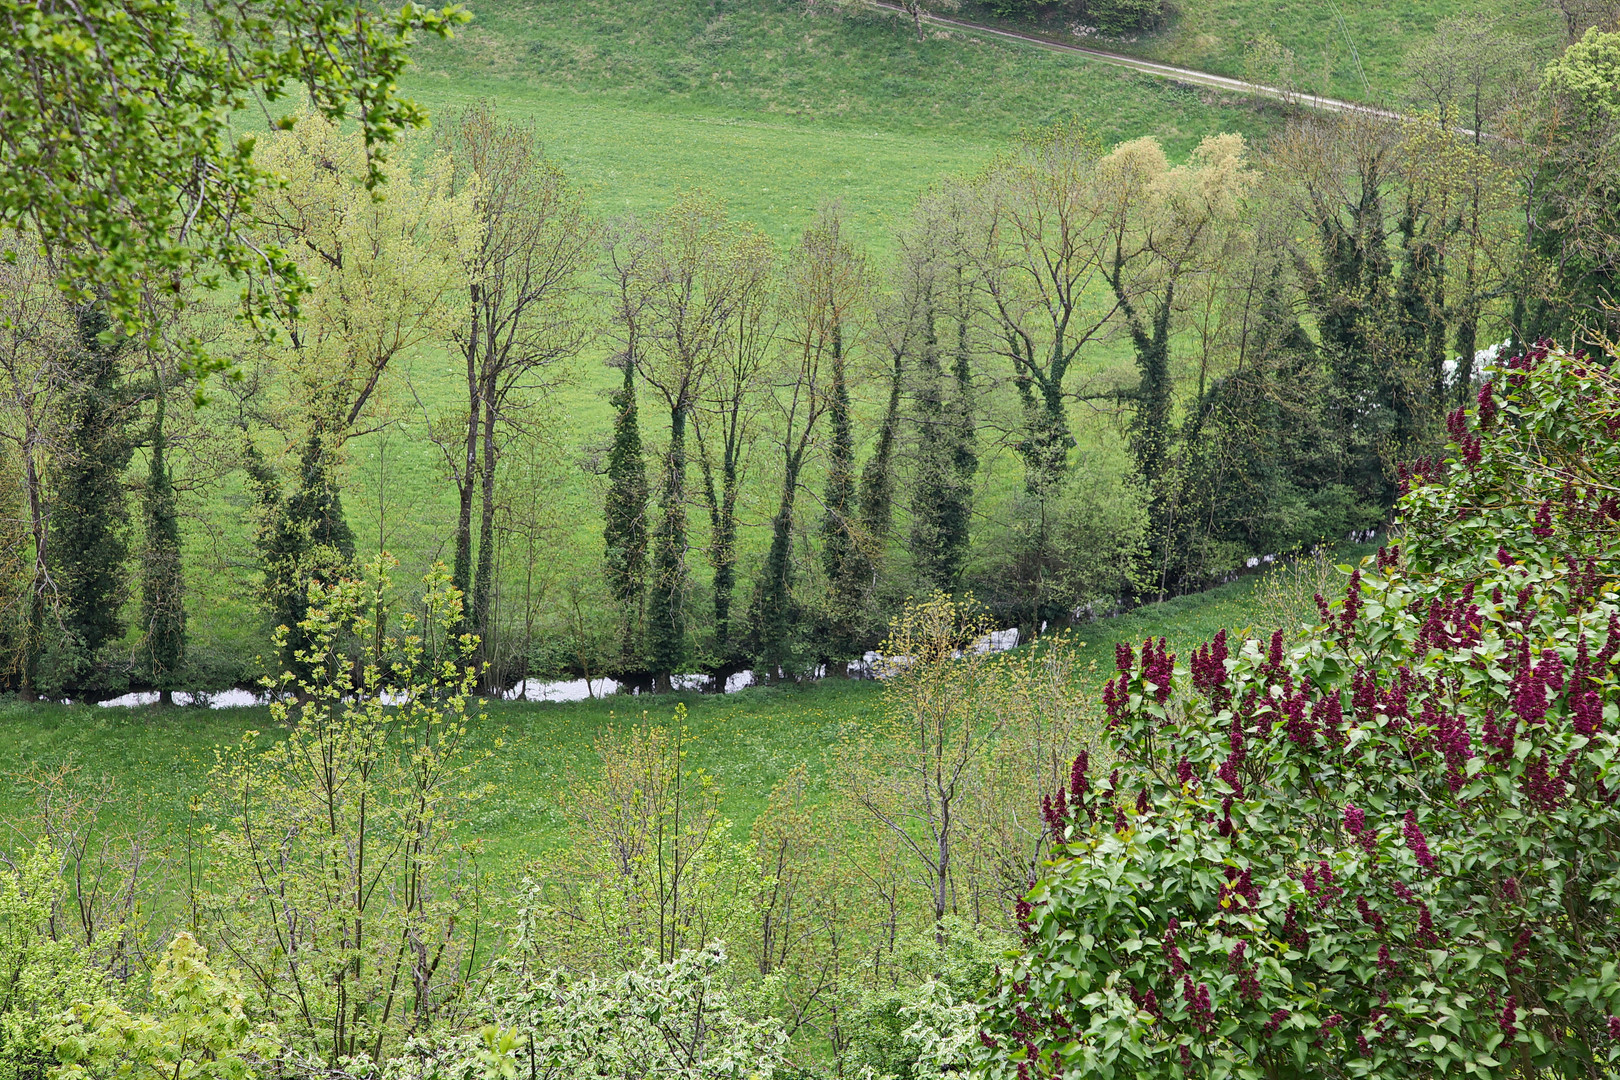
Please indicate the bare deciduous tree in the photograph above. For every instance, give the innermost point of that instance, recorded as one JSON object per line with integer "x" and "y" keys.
{"x": 686, "y": 276}
{"x": 822, "y": 288}
{"x": 37, "y": 335}
{"x": 521, "y": 317}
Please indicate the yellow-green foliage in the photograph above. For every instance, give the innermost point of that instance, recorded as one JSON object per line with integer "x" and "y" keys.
{"x": 40, "y": 973}
{"x": 651, "y": 868}
{"x": 1589, "y": 72}
{"x": 200, "y": 1030}
{"x": 386, "y": 268}
{"x": 333, "y": 875}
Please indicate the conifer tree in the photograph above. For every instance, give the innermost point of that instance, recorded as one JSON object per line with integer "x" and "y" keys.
{"x": 775, "y": 613}
{"x": 625, "y": 530}
{"x": 91, "y": 517}
{"x": 876, "y": 497}
{"x": 163, "y": 613}
{"x": 837, "y": 526}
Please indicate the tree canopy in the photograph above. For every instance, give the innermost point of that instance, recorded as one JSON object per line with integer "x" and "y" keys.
{"x": 118, "y": 150}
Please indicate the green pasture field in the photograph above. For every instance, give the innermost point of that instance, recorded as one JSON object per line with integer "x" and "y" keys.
{"x": 822, "y": 67}
{"x": 809, "y": 106}
{"x": 157, "y": 757}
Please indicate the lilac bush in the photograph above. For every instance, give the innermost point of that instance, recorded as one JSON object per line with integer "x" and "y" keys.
{"x": 1389, "y": 847}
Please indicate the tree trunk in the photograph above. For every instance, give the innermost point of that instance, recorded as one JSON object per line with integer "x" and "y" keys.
{"x": 461, "y": 572}
{"x": 483, "y": 579}
{"x": 775, "y": 615}
{"x": 34, "y": 631}
{"x": 666, "y": 621}
{"x": 942, "y": 881}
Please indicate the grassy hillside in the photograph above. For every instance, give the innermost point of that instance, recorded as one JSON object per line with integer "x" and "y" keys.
{"x": 779, "y": 106}
{"x": 1213, "y": 35}
{"x": 843, "y": 66}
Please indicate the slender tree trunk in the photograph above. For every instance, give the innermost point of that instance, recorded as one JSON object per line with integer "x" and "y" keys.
{"x": 34, "y": 631}
{"x": 163, "y": 614}
{"x": 725, "y": 570}
{"x": 775, "y": 602}
{"x": 624, "y": 532}
{"x": 483, "y": 579}
{"x": 722, "y": 503}
{"x": 666, "y": 620}
{"x": 461, "y": 573}
{"x": 877, "y": 482}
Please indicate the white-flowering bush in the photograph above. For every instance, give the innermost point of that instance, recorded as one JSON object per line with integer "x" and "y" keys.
{"x": 942, "y": 1031}
{"x": 672, "y": 1021}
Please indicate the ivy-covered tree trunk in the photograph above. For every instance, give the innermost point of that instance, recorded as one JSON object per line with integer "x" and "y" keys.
{"x": 163, "y": 612}
{"x": 482, "y": 599}
{"x": 91, "y": 518}
{"x": 847, "y": 585}
{"x": 1351, "y": 301}
{"x": 722, "y": 501}
{"x": 942, "y": 498}
{"x": 876, "y": 497}
{"x": 1150, "y": 424}
{"x": 625, "y": 528}
{"x": 960, "y": 417}
{"x": 1047, "y": 440}
{"x": 666, "y": 615}
{"x": 303, "y": 539}
{"x": 776, "y": 617}
{"x": 837, "y": 524}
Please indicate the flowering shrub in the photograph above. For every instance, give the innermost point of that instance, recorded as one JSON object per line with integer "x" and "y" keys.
{"x": 673, "y": 1020}
{"x": 1391, "y": 848}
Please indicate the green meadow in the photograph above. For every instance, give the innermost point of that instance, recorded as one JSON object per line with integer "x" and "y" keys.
{"x": 154, "y": 758}
{"x": 774, "y": 107}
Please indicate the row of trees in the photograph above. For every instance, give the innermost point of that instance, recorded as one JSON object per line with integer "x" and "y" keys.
{"x": 1086, "y": 375}
{"x": 479, "y": 248}
{"x": 1296, "y": 323}
{"x": 1438, "y": 741}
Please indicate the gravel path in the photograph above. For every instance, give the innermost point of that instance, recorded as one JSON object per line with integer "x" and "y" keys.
{"x": 1148, "y": 67}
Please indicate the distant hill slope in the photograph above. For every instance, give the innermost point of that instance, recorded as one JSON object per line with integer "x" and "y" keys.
{"x": 1336, "y": 43}
{"x": 812, "y": 63}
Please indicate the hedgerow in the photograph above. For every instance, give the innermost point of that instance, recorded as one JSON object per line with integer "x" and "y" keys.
{"x": 1389, "y": 847}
